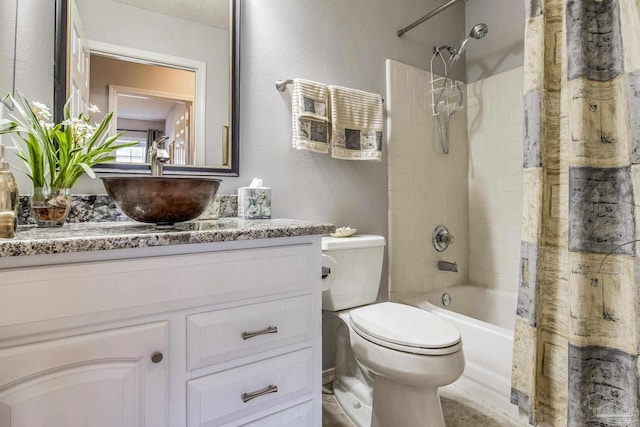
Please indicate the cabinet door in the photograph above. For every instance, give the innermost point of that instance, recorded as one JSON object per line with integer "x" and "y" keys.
{"x": 99, "y": 379}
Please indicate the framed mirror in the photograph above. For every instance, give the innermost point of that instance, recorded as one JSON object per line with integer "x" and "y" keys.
{"x": 164, "y": 68}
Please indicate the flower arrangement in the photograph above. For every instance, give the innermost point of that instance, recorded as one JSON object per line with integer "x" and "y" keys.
{"x": 56, "y": 155}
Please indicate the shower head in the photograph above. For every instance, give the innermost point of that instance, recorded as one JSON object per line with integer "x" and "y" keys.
{"x": 477, "y": 32}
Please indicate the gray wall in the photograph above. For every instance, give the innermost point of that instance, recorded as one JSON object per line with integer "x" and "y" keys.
{"x": 8, "y": 10}
{"x": 335, "y": 42}
{"x": 33, "y": 64}
{"x": 503, "y": 48}
{"x": 34, "y": 46}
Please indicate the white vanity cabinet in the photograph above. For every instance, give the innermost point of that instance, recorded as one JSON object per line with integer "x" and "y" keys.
{"x": 102, "y": 377}
{"x": 216, "y": 334}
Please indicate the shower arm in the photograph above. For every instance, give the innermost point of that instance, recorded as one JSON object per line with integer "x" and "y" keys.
{"x": 429, "y": 15}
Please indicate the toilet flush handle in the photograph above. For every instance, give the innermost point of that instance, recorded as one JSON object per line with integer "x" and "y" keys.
{"x": 329, "y": 266}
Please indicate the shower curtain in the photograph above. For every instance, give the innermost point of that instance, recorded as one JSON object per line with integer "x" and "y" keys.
{"x": 576, "y": 337}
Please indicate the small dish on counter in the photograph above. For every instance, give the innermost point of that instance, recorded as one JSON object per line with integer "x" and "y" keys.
{"x": 344, "y": 232}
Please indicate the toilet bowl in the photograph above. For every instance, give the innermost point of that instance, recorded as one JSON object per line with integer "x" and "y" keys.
{"x": 390, "y": 358}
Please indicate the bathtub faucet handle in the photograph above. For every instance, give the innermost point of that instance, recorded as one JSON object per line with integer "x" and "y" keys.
{"x": 441, "y": 238}
{"x": 447, "y": 238}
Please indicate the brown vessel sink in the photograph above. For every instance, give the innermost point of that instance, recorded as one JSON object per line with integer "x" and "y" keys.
{"x": 162, "y": 200}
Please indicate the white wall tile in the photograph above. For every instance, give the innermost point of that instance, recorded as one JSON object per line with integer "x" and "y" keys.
{"x": 476, "y": 190}
{"x": 426, "y": 187}
{"x": 495, "y": 179}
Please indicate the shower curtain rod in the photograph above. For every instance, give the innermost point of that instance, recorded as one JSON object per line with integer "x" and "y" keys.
{"x": 429, "y": 15}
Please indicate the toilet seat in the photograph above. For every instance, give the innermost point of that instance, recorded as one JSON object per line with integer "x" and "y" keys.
{"x": 404, "y": 328}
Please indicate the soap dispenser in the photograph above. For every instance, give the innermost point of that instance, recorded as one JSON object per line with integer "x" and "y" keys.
{"x": 8, "y": 199}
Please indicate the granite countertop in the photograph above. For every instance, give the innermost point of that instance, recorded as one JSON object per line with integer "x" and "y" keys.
{"x": 98, "y": 236}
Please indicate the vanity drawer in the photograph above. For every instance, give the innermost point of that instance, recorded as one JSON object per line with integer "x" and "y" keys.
{"x": 298, "y": 416}
{"x": 139, "y": 284}
{"x": 220, "y": 398}
{"x": 217, "y": 336}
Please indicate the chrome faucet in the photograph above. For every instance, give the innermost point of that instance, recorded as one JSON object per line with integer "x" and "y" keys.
{"x": 158, "y": 156}
{"x": 448, "y": 266}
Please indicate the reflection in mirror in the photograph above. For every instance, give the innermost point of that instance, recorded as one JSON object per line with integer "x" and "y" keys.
{"x": 8, "y": 21}
{"x": 165, "y": 67}
{"x": 148, "y": 101}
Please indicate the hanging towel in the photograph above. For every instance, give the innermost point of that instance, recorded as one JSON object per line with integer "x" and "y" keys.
{"x": 356, "y": 124}
{"x": 310, "y": 116}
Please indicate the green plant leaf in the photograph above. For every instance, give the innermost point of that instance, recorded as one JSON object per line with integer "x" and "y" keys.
{"x": 66, "y": 110}
{"x": 7, "y": 126}
{"x": 88, "y": 170}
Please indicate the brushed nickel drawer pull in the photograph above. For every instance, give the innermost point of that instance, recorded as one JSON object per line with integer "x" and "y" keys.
{"x": 269, "y": 330}
{"x": 267, "y": 390}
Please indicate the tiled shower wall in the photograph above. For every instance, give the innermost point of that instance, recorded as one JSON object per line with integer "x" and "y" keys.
{"x": 476, "y": 192}
{"x": 426, "y": 187}
{"x": 495, "y": 132}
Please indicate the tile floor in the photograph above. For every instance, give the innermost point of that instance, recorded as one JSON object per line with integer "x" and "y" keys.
{"x": 458, "y": 412}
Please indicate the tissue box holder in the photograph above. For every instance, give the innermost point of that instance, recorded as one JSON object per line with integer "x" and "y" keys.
{"x": 254, "y": 203}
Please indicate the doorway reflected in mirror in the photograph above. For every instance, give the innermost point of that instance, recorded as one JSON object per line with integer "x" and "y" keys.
{"x": 148, "y": 101}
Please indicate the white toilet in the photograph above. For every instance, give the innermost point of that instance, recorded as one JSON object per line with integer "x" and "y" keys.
{"x": 390, "y": 358}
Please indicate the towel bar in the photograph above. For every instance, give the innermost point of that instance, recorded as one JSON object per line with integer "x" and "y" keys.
{"x": 281, "y": 85}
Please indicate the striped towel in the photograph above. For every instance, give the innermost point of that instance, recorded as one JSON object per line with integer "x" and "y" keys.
{"x": 310, "y": 116}
{"x": 356, "y": 124}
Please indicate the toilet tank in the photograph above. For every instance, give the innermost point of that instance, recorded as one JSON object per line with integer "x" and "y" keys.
{"x": 356, "y": 268}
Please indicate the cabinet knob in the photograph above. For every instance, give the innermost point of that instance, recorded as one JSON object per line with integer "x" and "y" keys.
{"x": 157, "y": 357}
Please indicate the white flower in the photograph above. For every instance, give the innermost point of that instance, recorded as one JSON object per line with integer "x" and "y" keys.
{"x": 46, "y": 125}
{"x": 93, "y": 108}
{"x": 42, "y": 111}
{"x": 40, "y": 106}
{"x": 73, "y": 121}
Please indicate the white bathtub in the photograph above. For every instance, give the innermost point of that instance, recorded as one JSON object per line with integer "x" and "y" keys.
{"x": 485, "y": 319}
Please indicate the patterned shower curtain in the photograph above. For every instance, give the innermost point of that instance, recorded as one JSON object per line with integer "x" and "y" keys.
{"x": 576, "y": 337}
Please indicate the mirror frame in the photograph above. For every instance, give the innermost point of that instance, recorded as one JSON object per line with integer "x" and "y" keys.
{"x": 60, "y": 97}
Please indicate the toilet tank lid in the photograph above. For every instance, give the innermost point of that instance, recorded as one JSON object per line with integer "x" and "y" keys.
{"x": 357, "y": 241}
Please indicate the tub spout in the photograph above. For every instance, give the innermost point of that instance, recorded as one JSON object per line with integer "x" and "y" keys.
{"x": 448, "y": 266}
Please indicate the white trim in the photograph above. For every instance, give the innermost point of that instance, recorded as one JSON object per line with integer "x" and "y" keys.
{"x": 114, "y": 90}
{"x": 148, "y": 92}
{"x": 145, "y": 56}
